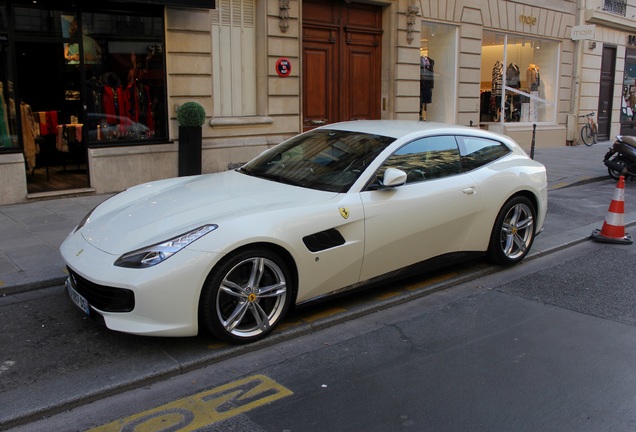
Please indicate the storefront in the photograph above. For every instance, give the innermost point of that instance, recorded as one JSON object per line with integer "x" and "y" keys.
{"x": 76, "y": 77}
{"x": 100, "y": 85}
{"x": 498, "y": 67}
{"x": 628, "y": 99}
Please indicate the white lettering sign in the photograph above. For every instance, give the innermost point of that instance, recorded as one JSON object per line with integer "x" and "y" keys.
{"x": 583, "y": 32}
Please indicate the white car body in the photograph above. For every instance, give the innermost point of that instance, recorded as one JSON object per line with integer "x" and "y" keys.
{"x": 384, "y": 230}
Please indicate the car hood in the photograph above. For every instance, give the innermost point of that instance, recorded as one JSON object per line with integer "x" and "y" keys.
{"x": 154, "y": 212}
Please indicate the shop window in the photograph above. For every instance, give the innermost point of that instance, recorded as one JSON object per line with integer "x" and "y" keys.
{"x": 8, "y": 121}
{"x": 95, "y": 78}
{"x": 234, "y": 58}
{"x": 124, "y": 66}
{"x": 438, "y": 48}
{"x": 518, "y": 79}
{"x": 628, "y": 101}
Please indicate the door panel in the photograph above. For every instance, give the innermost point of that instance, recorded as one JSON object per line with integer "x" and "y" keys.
{"x": 606, "y": 91}
{"x": 318, "y": 76}
{"x": 341, "y": 62}
{"x": 442, "y": 210}
{"x": 360, "y": 78}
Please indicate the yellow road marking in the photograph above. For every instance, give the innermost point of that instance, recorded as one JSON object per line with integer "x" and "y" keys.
{"x": 431, "y": 281}
{"x": 203, "y": 409}
{"x": 387, "y": 295}
{"x": 324, "y": 314}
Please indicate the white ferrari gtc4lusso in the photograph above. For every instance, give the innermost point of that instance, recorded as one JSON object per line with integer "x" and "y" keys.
{"x": 330, "y": 209}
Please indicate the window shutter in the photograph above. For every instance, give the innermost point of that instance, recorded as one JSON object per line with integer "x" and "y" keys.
{"x": 233, "y": 56}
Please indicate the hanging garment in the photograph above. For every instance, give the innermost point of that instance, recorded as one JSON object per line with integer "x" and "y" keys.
{"x": 427, "y": 79}
{"x": 5, "y": 134}
{"x": 497, "y": 78}
{"x": 30, "y": 130}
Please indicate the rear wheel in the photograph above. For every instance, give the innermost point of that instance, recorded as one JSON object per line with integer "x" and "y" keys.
{"x": 246, "y": 296}
{"x": 587, "y": 135}
{"x": 619, "y": 161}
{"x": 513, "y": 233}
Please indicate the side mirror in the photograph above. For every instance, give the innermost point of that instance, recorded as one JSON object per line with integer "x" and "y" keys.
{"x": 393, "y": 177}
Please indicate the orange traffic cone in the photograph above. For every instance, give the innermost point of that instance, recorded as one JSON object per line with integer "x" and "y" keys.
{"x": 613, "y": 230}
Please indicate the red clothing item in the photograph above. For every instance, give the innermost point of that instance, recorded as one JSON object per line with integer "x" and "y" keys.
{"x": 136, "y": 97}
{"x": 113, "y": 103}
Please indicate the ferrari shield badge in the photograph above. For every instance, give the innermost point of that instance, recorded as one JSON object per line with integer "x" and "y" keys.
{"x": 344, "y": 212}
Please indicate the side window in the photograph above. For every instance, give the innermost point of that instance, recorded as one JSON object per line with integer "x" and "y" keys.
{"x": 425, "y": 159}
{"x": 478, "y": 152}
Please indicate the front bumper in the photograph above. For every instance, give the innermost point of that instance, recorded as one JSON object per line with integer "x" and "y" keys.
{"x": 162, "y": 300}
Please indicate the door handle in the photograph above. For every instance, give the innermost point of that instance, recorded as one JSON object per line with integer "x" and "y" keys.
{"x": 317, "y": 122}
{"x": 469, "y": 190}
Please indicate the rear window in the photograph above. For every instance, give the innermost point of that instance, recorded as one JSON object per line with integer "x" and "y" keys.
{"x": 476, "y": 152}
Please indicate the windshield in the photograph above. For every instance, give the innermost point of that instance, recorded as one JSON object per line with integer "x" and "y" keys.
{"x": 322, "y": 159}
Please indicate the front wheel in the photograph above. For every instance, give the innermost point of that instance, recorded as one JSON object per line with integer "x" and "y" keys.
{"x": 587, "y": 135}
{"x": 513, "y": 233}
{"x": 246, "y": 296}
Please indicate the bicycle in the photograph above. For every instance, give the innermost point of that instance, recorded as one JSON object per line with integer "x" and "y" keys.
{"x": 589, "y": 131}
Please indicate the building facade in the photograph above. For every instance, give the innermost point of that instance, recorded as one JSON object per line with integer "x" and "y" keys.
{"x": 90, "y": 93}
{"x": 607, "y": 65}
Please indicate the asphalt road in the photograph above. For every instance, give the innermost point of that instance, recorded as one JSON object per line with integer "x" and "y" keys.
{"x": 67, "y": 361}
{"x": 548, "y": 345}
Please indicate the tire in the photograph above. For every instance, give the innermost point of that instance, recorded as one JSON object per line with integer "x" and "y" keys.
{"x": 586, "y": 135}
{"x": 246, "y": 295}
{"x": 513, "y": 233}
{"x": 619, "y": 160}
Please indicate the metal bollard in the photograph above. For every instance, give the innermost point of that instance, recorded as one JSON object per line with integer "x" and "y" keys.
{"x": 534, "y": 133}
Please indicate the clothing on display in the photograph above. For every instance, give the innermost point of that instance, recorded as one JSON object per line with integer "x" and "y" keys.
{"x": 5, "y": 131}
{"x": 68, "y": 137}
{"x": 533, "y": 78}
{"x": 512, "y": 76}
{"x": 427, "y": 79}
{"x": 497, "y": 78}
{"x": 30, "y": 131}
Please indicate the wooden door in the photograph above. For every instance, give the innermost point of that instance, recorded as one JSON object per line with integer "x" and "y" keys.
{"x": 341, "y": 62}
{"x": 606, "y": 92}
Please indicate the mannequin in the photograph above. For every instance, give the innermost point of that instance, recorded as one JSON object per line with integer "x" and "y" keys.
{"x": 512, "y": 76}
{"x": 532, "y": 77}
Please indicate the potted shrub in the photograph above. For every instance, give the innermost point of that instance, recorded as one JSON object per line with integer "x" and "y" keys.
{"x": 190, "y": 117}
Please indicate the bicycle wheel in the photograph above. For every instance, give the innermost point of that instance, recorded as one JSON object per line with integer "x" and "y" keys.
{"x": 595, "y": 134}
{"x": 586, "y": 135}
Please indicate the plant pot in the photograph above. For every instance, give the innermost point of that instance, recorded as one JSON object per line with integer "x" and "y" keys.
{"x": 190, "y": 148}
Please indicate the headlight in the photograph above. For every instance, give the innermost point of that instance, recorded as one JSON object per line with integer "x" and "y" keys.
{"x": 153, "y": 255}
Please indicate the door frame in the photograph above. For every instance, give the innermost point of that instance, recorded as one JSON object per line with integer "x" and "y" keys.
{"x": 606, "y": 91}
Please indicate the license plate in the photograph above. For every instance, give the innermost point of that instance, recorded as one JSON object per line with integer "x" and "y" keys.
{"x": 77, "y": 298}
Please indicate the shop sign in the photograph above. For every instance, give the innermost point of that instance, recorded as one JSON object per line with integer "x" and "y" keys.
{"x": 528, "y": 19}
{"x": 283, "y": 67}
{"x": 583, "y": 32}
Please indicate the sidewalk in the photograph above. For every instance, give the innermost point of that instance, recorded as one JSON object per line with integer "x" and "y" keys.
{"x": 31, "y": 233}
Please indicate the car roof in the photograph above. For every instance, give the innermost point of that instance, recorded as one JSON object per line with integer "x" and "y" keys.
{"x": 397, "y": 128}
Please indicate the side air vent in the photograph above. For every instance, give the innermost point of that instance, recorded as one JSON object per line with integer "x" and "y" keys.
{"x": 324, "y": 240}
